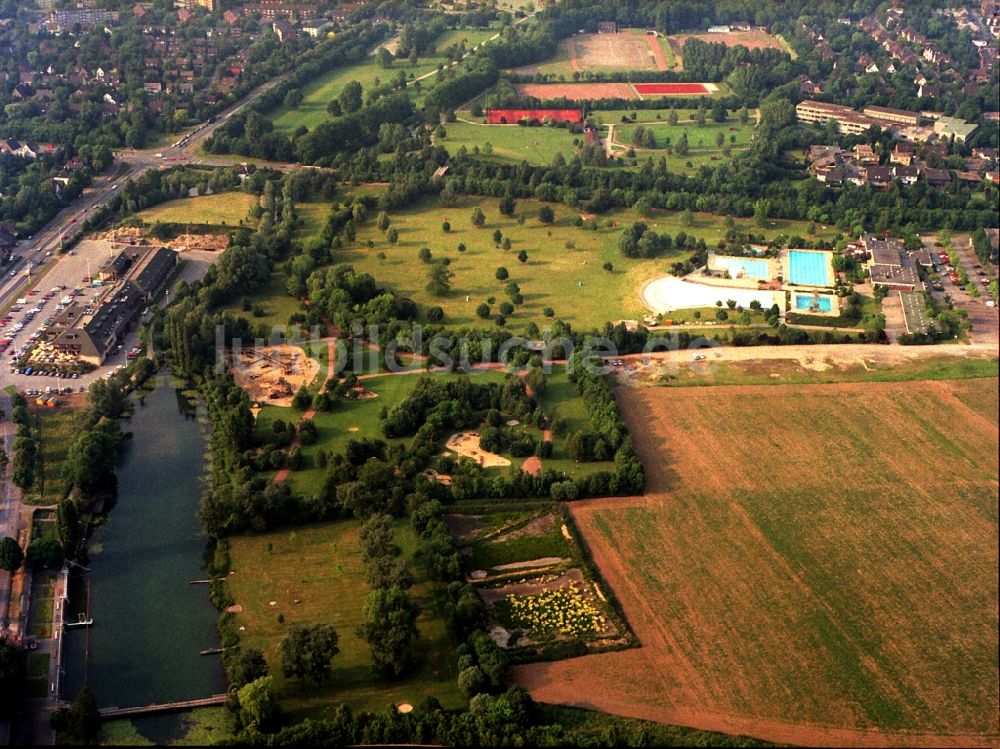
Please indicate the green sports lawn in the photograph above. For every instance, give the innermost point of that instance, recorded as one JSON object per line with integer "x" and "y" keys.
{"x": 321, "y": 91}
{"x": 511, "y": 143}
{"x": 221, "y": 209}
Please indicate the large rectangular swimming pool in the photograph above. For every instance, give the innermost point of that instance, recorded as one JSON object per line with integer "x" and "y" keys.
{"x": 809, "y": 268}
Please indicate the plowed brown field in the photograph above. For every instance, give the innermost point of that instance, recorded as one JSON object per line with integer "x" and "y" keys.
{"x": 813, "y": 564}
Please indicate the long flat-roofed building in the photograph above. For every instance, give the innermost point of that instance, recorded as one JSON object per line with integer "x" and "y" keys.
{"x": 92, "y": 331}
{"x": 896, "y": 116}
{"x": 819, "y": 112}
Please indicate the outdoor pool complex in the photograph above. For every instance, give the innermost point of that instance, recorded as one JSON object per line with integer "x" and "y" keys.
{"x": 808, "y": 268}
{"x": 810, "y": 303}
{"x": 737, "y": 266}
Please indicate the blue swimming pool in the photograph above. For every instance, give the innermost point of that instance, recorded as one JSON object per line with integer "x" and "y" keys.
{"x": 759, "y": 269}
{"x": 810, "y": 303}
{"x": 808, "y": 268}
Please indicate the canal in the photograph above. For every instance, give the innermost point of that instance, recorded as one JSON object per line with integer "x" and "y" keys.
{"x": 150, "y": 622}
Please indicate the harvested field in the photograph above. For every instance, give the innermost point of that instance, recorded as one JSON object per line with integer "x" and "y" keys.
{"x": 577, "y": 91}
{"x": 466, "y": 444}
{"x": 622, "y": 51}
{"x": 273, "y": 374}
{"x": 813, "y": 564}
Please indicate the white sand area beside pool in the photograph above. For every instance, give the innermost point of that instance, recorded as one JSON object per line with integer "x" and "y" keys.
{"x": 670, "y": 293}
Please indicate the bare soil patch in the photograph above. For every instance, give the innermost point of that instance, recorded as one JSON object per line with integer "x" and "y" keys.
{"x": 625, "y": 51}
{"x": 273, "y": 374}
{"x": 466, "y": 444}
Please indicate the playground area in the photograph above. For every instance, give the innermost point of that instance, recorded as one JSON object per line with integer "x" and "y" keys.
{"x": 466, "y": 444}
{"x": 273, "y": 374}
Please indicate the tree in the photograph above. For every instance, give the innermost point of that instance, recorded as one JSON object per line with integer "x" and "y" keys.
{"x": 244, "y": 665}
{"x": 507, "y": 204}
{"x": 497, "y": 237}
{"x": 439, "y": 279}
{"x": 392, "y": 235}
{"x": 306, "y": 651}
{"x": 522, "y": 256}
{"x": 258, "y": 707}
{"x": 350, "y": 98}
{"x": 384, "y": 57}
{"x": 720, "y": 138}
{"x": 12, "y": 676}
{"x": 390, "y": 626}
{"x": 502, "y": 274}
{"x": 424, "y": 254}
{"x": 46, "y": 552}
{"x": 84, "y": 718}
{"x": 483, "y": 310}
{"x": 302, "y": 399}
{"x": 761, "y": 209}
{"x": 546, "y": 215}
{"x": 382, "y": 221}
{"x": 478, "y": 217}
{"x": 672, "y": 117}
{"x": 11, "y": 555}
{"x": 293, "y": 99}
{"x": 687, "y": 218}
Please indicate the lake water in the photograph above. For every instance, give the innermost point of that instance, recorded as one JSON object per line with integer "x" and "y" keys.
{"x": 150, "y": 623}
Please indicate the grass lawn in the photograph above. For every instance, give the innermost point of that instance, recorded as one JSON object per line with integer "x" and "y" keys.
{"x": 41, "y": 618}
{"x": 59, "y": 427}
{"x": 36, "y": 688}
{"x": 321, "y": 91}
{"x": 320, "y": 566}
{"x": 38, "y": 665}
{"x": 546, "y": 542}
{"x": 700, "y": 137}
{"x": 220, "y": 209}
{"x": 511, "y": 143}
{"x": 270, "y": 301}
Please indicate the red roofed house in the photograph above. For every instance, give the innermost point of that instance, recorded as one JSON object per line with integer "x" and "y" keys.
{"x": 512, "y": 116}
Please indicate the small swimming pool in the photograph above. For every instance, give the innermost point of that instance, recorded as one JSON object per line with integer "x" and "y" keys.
{"x": 745, "y": 267}
{"x": 810, "y": 303}
{"x": 809, "y": 268}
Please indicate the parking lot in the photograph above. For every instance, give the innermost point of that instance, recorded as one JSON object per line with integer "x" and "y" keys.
{"x": 25, "y": 323}
{"x": 914, "y": 311}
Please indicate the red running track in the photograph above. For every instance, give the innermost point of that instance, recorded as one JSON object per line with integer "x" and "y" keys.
{"x": 652, "y": 89}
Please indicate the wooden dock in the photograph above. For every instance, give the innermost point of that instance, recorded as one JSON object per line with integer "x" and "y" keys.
{"x": 108, "y": 713}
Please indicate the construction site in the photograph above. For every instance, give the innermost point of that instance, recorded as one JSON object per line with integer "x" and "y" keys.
{"x": 272, "y": 374}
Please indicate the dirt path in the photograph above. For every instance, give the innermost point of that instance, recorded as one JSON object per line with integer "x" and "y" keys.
{"x": 656, "y": 49}
{"x": 331, "y": 362}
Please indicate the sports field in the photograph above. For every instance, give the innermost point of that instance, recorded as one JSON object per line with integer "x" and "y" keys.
{"x": 225, "y": 208}
{"x": 812, "y": 564}
{"x": 628, "y": 50}
{"x": 511, "y": 143}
